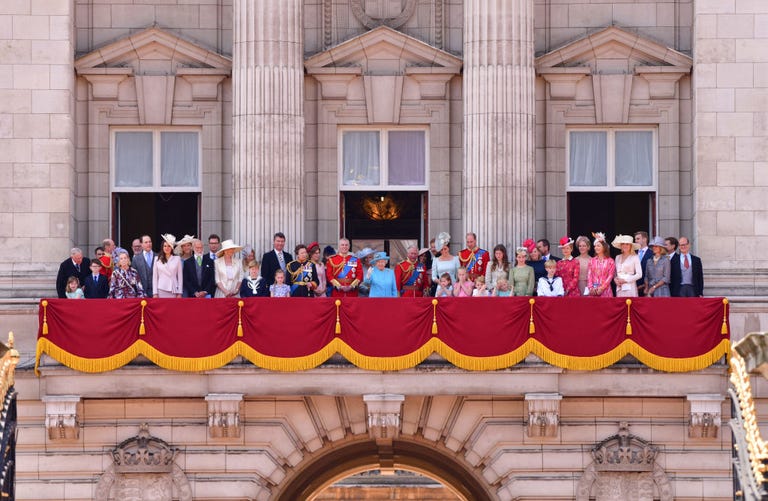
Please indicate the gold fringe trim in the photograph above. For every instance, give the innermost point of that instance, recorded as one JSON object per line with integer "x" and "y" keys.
{"x": 681, "y": 364}
{"x": 398, "y": 363}
{"x": 45, "y": 317}
{"x": 724, "y": 327}
{"x": 485, "y": 363}
{"x": 628, "y": 330}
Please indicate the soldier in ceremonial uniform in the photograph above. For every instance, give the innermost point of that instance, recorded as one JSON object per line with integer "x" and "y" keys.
{"x": 344, "y": 272}
{"x": 410, "y": 275}
{"x": 302, "y": 274}
{"x": 473, "y": 258}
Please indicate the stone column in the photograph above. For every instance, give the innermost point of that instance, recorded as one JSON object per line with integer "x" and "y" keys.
{"x": 268, "y": 122}
{"x": 499, "y": 121}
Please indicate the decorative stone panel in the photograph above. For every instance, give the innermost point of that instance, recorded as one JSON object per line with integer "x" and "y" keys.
{"x": 543, "y": 414}
{"x": 705, "y": 419}
{"x": 224, "y": 414}
{"x": 61, "y": 417}
{"x": 384, "y": 414}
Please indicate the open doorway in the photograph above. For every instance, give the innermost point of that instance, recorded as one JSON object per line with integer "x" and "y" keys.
{"x": 611, "y": 213}
{"x": 382, "y": 485}
{"x": 386, "y": 221}
{"x": 135, "y": 214}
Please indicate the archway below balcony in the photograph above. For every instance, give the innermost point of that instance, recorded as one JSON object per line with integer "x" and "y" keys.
{"x": 329, "y": 467}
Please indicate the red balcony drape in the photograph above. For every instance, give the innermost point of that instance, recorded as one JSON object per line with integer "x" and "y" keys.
{"x": 670, "y": 334}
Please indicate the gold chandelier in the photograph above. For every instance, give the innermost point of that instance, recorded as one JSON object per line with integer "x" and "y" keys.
{"x": 381, "y": 208}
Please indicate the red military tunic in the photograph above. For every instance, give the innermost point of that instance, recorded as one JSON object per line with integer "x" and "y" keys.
{"x": 106, "y": 266}
{"x": 475, "y": 261}
{"x": 344, "y": 270}
{"x": 410, "y": 278}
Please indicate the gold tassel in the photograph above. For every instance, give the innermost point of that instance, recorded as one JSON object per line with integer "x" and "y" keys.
{"x": 434, "y": 317}
{"x": 240, "y": 318}
{"x": 723, "y": 328}
{"x": 142, "y": 330}
{"x": 338, "y": 321}
{"x": 45, "y": 317}
{"x": 628, "y": 330}
{"x": 531, "y": 326}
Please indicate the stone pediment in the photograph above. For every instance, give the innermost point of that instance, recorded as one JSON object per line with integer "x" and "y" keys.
{"x": 153, "y": 51}
{"x": 613, "y": 50}
{"x": 383, "y": 51}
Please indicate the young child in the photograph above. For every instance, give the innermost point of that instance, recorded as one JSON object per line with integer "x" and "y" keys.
{"x": 250, "y": 284}
{"x": 73, "y": 290}
{"x": 464, "y": 285}
{"x": 280, "y": 288}
{"x": 502, "y": 288}
{"x": 480, "y": 288}
{"x": 550, "y": 285}
{"x": 444, "y": 288}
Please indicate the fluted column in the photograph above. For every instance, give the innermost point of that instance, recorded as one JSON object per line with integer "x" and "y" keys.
{"x": 268, "y": 121}
{"x": 499, "y": 121}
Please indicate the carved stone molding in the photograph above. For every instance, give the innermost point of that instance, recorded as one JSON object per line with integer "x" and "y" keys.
{"x": 705, "y": 418}
{"x": 624, "y": 467}
{"x": 61, "y": 417}
{"x": 224, "y": 414}
{"x": 379, "y": 13}
{"x": 384, "y": 414}
{"x": 543, "y": 414}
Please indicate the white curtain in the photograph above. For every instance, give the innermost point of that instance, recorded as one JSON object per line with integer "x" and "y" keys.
{"x": 179, "y": 162}
{"x": 361, "y": 158}
{"x": 634, "y": 158}
{"x": 133, "y": 159}
{"x": 406, "y": 158}
{"x": 588, "y": 158}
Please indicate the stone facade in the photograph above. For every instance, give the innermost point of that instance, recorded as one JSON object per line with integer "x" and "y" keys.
{"x": 72, "y": 72}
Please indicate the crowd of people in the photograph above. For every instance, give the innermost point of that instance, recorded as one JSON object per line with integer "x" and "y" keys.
{"x": 660, "y": 267}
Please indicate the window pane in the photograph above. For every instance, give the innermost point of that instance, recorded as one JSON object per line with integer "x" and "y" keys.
{"x": 133, "y": 159}
{"x": 179, "y": 162}
{"x": 634, "y": 158}
{"x": 361, "y": 158}
{"x": 406, "y": 158}
{"x": 588, "y": 158}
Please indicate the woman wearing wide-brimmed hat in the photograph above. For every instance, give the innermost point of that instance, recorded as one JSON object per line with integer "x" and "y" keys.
{"x": 167, "y": 273}
{"x": 657, "y": 270}
{"x": 381, "y": 279}
{"x": 364, "y": 256}
{"x": 628, "y": 267}
{"x": 228, "y": 270}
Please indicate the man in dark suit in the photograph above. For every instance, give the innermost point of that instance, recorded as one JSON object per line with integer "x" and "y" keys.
{"x": 143, "y": 264}
{"x": 199, "y": 278}
{"x": 75, "y": 266}
{"x": 274, "y": 260}
{"x": 686, "y": 273}
{"x": 95, "y": 285}
{"x": 543, "y": 246}
{"x": 644, "y": 253}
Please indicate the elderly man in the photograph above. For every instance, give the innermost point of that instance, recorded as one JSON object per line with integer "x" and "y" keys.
{"x": 199, "y": 278}
{"x": 473, "y": 258}
{"x": 344, "y": 271}
{"x": 135, "y": 247}
{"x": 76, "y": 266}
{"x": 686, "y": 273}
{"x": 410, "y": 275}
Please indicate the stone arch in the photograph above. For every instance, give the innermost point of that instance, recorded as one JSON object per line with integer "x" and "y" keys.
{"x": 338, "y": 462}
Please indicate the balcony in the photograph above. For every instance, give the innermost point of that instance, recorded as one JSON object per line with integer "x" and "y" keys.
{"x": 287, "y": 335}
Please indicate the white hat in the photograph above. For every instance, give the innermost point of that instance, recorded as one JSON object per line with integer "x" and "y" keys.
{"x": 169, "y": 238}
{"x": 624, "y": 239}
{"x": 227, "y": 245}
{"x": 186, "y": 240}
{"x": 442, "y": 239}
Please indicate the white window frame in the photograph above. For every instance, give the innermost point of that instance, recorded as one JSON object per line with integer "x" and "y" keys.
{"x": 383, "y": 159}
{"x": 611, "y": 158}
{"x": 156, "y": 155}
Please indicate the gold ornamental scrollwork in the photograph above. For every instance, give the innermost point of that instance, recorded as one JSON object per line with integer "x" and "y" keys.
{"x": 758, "y": 452}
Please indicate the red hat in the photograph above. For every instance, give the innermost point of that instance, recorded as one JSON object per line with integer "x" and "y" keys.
{"x": 312, "y": 246}
{"x": 566, "y": 240}
{"x": 529, "y": 245}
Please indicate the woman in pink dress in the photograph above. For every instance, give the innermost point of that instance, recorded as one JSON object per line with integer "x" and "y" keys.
{"x": 601, "y": 269}
{"x": 568, "y": 268}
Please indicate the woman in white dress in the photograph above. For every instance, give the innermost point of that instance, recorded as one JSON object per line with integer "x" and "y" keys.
{"x": 446, "y": 262}
{"x": 167, "y": 273}
{"x": 628, "y": 267}
{"x": 228, "y": 270}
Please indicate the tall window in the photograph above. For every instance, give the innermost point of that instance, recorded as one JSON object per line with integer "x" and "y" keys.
{"x": 612, "y": 159}
{"x": 156, "y": 160}
{"x": 389, "y": 159}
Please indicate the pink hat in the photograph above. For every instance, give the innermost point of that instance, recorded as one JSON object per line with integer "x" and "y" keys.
{"x": 566, "y": 240}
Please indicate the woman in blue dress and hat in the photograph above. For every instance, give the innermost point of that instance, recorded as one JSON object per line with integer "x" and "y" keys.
{"x": 381, "y": 279}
